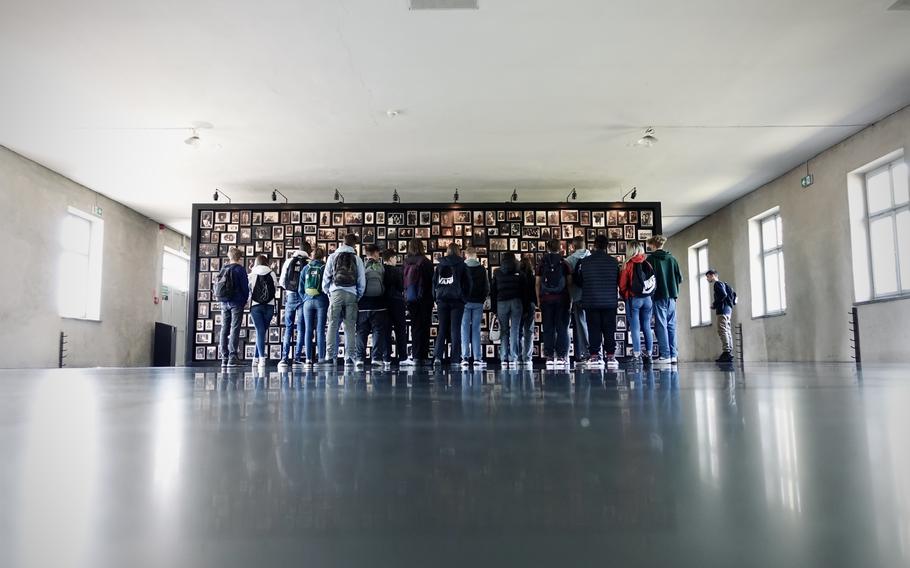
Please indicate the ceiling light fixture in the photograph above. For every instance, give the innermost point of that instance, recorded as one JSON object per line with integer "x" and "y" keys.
{"x": 276, "y": 193}
{"x": 193, "y": 140}
{"x": 455, "y": 196}
{"x": 573, "y": 195}
{"x": 392, "y": 113}
{"x": 631, "y": 194}
{"x": 338, "y": 196}
{"x": 648, "y": 140}
{"x": 219, "y": 192}
{"x": 514, "y": 197}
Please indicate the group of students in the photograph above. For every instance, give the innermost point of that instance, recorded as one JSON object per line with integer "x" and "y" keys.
{"x": 379, "y": 298}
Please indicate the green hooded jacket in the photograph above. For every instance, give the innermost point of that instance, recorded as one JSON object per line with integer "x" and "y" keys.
{"x": 666, "y": 270}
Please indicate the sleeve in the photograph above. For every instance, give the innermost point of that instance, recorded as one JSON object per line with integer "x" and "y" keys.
{"x": 676, "y": 273}
{"x": 274, "y": 280}
{"x": 720, "y": 295}
{"x": 361, "y": 278}
{"x": 251, "y": 283}
{"x": 283, "y": 279}
{"x": 244, "y": 284}
{"x": 486, "y": 284}
{"x": 428, "y": 277}
{"x": 576, "y": 275}
{"x": 327, "y": 274}
{"x": 493, "y": 292}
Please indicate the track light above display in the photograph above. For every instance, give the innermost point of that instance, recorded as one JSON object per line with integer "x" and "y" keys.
{"x": 631, "y": 194}
{"x": 395, "y": 197}
{"x": 276, "y": 193}
{"x": 338, "y": 196}
{"x": 217, "y": 192}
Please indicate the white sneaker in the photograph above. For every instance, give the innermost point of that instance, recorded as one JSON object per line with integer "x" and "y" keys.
{"x": 263, "y": 362}
{"x": 386, "y": 365}
{"x": 255, "y": 362}
{"x": 612, "y": 363}
{"x": 595, "y": 363}
{"x": 562, "y": 362}
{"x": 551, "y": 363}
{"x": 465, "y": 365}
{"x": 674, "y": 360}
{"x": 409, "y": 362}
{"x": 376, "y": 363}
{"x": 663, "y": 361}
{"x": 480, "y": 364}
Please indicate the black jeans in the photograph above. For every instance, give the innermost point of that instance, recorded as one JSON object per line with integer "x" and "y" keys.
{"x": 421, "y": 314}
{"x": 555, "y": 328}
{"x": 397, "y": 324}
{"x": 601, "y": 327}
{"x": 367, "y": 322}
{"x": 231, "y": 318}
{"x": 450, "y": 314}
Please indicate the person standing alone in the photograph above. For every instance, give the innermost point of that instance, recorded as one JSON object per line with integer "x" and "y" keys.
{"x": 724, "y": 300}
{"x": 666, "y": 272}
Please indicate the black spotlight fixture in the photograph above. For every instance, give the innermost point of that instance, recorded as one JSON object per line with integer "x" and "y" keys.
{"x": 395, "y": 197}
{"x": 631, "y": 194}
{"x": 339, "y": 196}
{"x": 573, "y": 195}
{"x": 219, "y": 192}
{"x": 514, "y": 197}
{"x": 455, "y": 196}
{"x": 276, "y": 193}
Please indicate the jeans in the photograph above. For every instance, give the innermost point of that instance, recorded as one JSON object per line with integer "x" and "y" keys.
{"x": 581, "y": 331}
{"x": 292, "y": 318}
{"x": 342, "y": 300}
{"x": 231, "y": 318}
{"x": 262, "y": 316}
{"x": 315, "y": 313}
{"x": 640, "y": 321}
{"x": 601, "y": 327}
{"x": 470, "y": 331}
{"x": 555, "y": 320}
{"x": 526, "y": 334}
{"x": 398, "y": 324}
{"x": 665, "y": 326}
{"x": 724, "y": 332}
{"x": 375, "y": 322}
{"x": 421, "y": 314}
{"x": 509, "y": 314}
{"x": 450, "y": 314}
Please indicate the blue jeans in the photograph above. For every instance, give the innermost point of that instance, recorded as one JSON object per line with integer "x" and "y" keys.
{"x": 526, "y": 337}
{"x": 231, "y": 318}
{"x": 665, "y": 326}
{"x": 555, "y": 320}
{"x": 262, "y": 316}
{"x": 470, "y": 331}
{"x": 509, "y": 314}
{"x": 293, "y": 317}
{"x": 581, "y": 331}
{"x": 640, "y": 321}
{"x": 315, "y": 312}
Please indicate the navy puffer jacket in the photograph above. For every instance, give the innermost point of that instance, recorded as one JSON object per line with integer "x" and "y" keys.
{"x": 598, "y": 277}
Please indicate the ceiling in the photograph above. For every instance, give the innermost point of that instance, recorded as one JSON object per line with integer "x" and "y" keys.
{"x": 536, "y": 95}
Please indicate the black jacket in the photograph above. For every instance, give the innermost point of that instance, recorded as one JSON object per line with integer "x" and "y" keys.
{"x": 426, "y": 275}
{"x": 508, "y": 283}
{"x": 598, "y": 277}
{"x": 394, "y": 283}
{"x": 457, "y": 264}
{"x": 478, "y": 284}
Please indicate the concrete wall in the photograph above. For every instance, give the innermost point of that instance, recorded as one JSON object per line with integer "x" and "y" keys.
{"x": 817, "y": 251}
{"x": 37, "y": 201}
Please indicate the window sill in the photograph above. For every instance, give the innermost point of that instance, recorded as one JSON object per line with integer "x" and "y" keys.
{"x": 882, "y": 300}
{"x": 766, "y": 316}
{"x": 701, "y": 325}
{"x": 77, "y": 318}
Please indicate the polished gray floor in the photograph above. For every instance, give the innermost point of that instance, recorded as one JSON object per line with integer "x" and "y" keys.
{"x": 774, "y": 465}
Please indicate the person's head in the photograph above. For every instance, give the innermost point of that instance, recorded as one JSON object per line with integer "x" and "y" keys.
{"x": 319, "y": 253}
{"x": 307, "y": 247}
{"x": 351, "y": 239}
{"x": 711, "y": 275}
{"x": 390, "y": 257}
{"x": 453, "y": 250}
{"x": 262, "y": 260}
{"x": 507, "y": 261}
{"x": 470, "y": 252}
{"x": 600, "y": 242}
{"x": 634, "y": 249}
{"x": 553, "y": 245}
{"x": 578, "y": 243}
{"x": 526, "y": 264}
{"x": 657, "y": 242}
{"x": 234, "y": 254}
{"x": 415, "y": 247}
{"x": 373, "y": 251}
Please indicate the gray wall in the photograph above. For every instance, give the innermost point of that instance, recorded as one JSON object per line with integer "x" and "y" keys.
{"x": 817, "y": 251}
{"x": 131, "y": 273}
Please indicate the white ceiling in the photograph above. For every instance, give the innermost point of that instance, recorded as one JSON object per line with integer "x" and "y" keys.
{"x": 534, "y": 94}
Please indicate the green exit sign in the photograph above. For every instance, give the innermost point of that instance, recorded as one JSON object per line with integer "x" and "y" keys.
{"x": 98, "y": 210}
{"x": 806, "y": 181}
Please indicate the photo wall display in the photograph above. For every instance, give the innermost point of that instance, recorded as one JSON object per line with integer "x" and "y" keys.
{"x": 493, "y": 229}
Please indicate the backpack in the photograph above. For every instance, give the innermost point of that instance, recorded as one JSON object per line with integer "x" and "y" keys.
{"x": 292, "y": 276}
{"x": 553, "y": 279}
{"x": 644, "y": 282}
{"x": 375, "y": 274}
{"x": 448, "y": 286}
{"x": 312, "y": 280}
{"x": 413, "y": 291}
{"x": 731, "y": 294}
{"x": 224, "y": 285}
{"x": 345, "y": 269}
{"x": 264, "y": 290}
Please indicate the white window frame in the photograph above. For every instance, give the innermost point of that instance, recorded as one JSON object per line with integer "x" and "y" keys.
{"x": 91, "y": 306}
{"x": 759, "y": 260}
{"x": 903, "y": 288}
{"x": 182, "y": 256}
{"x": 699, "y": 293}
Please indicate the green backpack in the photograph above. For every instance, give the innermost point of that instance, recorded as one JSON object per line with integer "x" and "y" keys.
{"x": 374, "y": 279}
{"x": 312, "y": 282}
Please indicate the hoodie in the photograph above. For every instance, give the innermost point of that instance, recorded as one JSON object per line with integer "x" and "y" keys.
{"x": 573, "y": 260}
{"x": 457, "y": 264}
{"x": 329, "y": 274}
{"x": 478, "y": 283}
{"x": 283, "y": 280}
{"x": 666, "y": 271}
{"x": 260, "y": 271}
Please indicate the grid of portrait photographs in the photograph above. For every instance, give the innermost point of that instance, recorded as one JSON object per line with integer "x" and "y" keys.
{"x": 494, "y": 230}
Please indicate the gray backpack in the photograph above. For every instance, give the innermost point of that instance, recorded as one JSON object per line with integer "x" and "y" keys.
{"x": 375, "y": 275}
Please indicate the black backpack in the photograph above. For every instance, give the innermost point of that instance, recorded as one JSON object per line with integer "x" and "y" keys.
{"x": 224, "y": 284}
{"x": 345, "y": 270}
{"x": 292, "y": 279}
{"x": 731, "y": 294}
{"x": 448, "y": 286}
{"x": 553, "y": 278}
{"x": 644, "y": 281}
{"x": 264, "y": 290}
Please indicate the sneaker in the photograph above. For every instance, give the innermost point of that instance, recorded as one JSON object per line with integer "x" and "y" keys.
{"x": 327, "y": 362}
{"x": 437, "y": 362}
{"x": 465, "y": 364}
{"x": 358, "y": 363}
{"x": 562, "y": 362}
{"x": 263, "y": 362}
{"x": 527, "y": 364}
{"x": 255, "y": 362}
{"x": 375, "y": 363}
{"x": 551, "y": 363}
{"x": 481, "y": 364}
{"x": 726, "y": 357}
{"x": 409, "y": 362}
{"x": 386, "y": 365}
{"x": 284, "y": 363}
{"x": 297, "y": 362}
{"x": 595, "y": 362}
{"x": 674, "y": 360}
{"x": 308, "y": 364}
{"x": 663, "y": 361}
{"x": 233, "y": 362}
{"x": 612, "y": 363}
{"x": 635, "y": 360}
{"x": 224, "y": 362}
{"x": 581, "y": 361}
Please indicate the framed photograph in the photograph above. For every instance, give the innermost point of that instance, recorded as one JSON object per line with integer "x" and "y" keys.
{"x": 223, "y": 217}
{"x": 309, "y": 229}
{"x": 202, "y": 310}
{"x": 647, "y": 218}
{"x": 568, "y": 216}
{"x": 584, "y": 218}
{"x": 203, "y": 337}
{"x": 325, "y": 218}
{"x": 462, "y": 217}
{"x": 622, "y": 217}
{"x": 229, "y": 238}
{"x": 645, "y": 234}
{"x": 524, "y": 246}
{"x": 459, "y": 230}
{"x": 615, "y": 233}
{"x": 285, "y": 217}
{"x": 406, "y": 233}
{"x": 489, "y": 351}
{"x": 278, "y": 232}
{"x": 499, "y": 244}
{"x": 412, "y": 218}
{"x": 422, "y": 232}
{"x": 425, "y": 217}
{"x": 611, "y": 247}
{"x": 250, "y": 251}
{"x": 246, "y": 218}
{"x": 353, "y": 217}
{"x": 199, "y": 354}
{"x": 530, "y": 232}
{"x": 513, "y": 215}
{"x": 262, "y": 233}
{"x": 633, "y": 217}
{"x": 337, "y": 218}
{"x": 552, "y": 218}
{"x": 621, "y": 308}
{"x": 380, "y": 233}
{"x": 515, "y": 229}
{"x": 612, "y": 219}
{"x": 396, "y": 218}
{"x": 380, "y": 217}
{"x": 257, "y": 217}
{"x": 567, "y": 232}
{"x": 368, "y": 237}
{"x": 402, "y": 247}
{"x": 308, "y": 217}
{"x": 597, "y": 219}
{"x": 629, "y": 232}
{"x": 270, "y": 217}
{"x": 393, "y": 233}
{"x": 369, "y": 218}
{"x": 295, "y": 217}
{"x": 447, "y": 219}
{"x": 478, "y": 218}
{"x": 500, "y": 215}
{"x": 327, "y": 234}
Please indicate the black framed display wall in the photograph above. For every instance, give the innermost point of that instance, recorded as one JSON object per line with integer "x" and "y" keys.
{"x": 276, "y": 230}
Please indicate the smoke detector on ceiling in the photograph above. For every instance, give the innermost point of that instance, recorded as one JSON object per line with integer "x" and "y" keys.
{"x": 443, "y": 4}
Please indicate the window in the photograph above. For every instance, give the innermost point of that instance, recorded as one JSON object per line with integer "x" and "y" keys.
{"x": 79, "y": 280}
{"x": 766, "y": 241}
{"x": 175, "y": 269}
{"x": 880, "y": 228}
{"x": 699, "y": 290}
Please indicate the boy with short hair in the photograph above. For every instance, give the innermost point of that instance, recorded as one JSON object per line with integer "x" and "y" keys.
{"x": 394, "y": 287}
{"x": 723, "y": 309}
{"x": 478, "y": 290}
{"x": 232, "y": 289}
{"x": 344, "y": 281}
{"x": 580, "y": 336}
{"x": 598, "y": 277}
{"x": 666, "y": 271}
{"x": 372, "y": 316}
{"x": 289, "y": 280}
{"x": 553, "y": 280}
